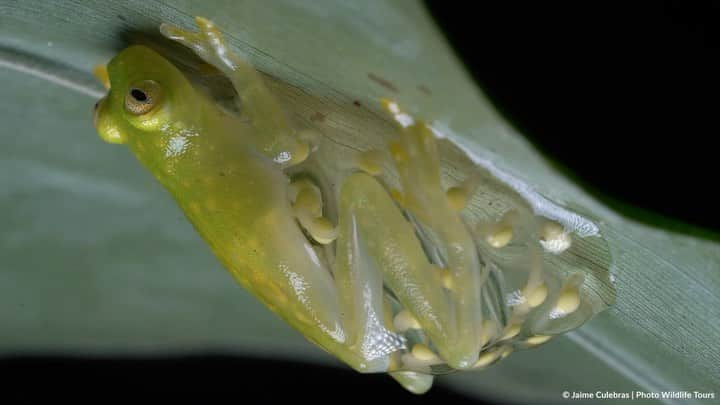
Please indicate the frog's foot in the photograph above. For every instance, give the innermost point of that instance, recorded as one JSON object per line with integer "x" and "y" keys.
{"x": 207, "y": 44}
{"x": 308, "y": 206}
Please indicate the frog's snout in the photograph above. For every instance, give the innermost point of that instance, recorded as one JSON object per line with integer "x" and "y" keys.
{"x": 104, "y": 124}
{"x": 95, "y": 112}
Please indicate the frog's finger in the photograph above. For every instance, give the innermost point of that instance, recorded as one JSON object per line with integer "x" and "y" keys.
{"x": 192, "y": 40}
{"x": 210, "y": 45}
{"x": 214, "y": 40}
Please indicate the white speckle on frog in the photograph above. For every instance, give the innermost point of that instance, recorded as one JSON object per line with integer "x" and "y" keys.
{"x": 179, "y": 142}
{"x": 515, "y": 298}
{"x": 556, "y": 313}
{"x": 557, "y": 245}
{"x": 298, "y": 283}
{"x": 176, "y": 146}
{"x": 282, "y": 157}
{"x": 378, "y": 342}
{"x": 404, "y": 120}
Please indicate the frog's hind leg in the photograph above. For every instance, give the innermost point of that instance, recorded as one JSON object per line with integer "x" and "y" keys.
{"x": 375, "y": 240}
{"x": 417, "y": 160}
{"x": 256, "y": 102}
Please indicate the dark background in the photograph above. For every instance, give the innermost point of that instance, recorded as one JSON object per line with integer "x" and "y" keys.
{"x": 205, "y": 379}
{"x": 621, "y": 96}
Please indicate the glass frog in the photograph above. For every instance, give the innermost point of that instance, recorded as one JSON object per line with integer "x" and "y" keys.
{"x": 382, "y": 259}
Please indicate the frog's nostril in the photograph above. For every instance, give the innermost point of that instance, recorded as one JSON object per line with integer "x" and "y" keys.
{"x": 96, "y": 110}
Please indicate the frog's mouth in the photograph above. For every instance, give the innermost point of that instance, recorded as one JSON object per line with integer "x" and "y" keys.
{"x": 96, "y": 107}
{"x": 104, "y": 124}
{"x": 101, "y": 120}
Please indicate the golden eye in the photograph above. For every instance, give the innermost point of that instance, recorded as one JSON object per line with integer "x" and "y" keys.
{"x": 142, "y": 97}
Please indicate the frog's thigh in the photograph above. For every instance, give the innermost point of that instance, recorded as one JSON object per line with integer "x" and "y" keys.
{"x": 374, "y": 237}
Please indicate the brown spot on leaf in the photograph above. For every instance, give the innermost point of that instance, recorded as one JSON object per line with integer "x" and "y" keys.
{"x": 383, "y": 82}
{"x": 357, "y": 103}
{"x": 425, "y": 90}
{"x": 317, "y": 116}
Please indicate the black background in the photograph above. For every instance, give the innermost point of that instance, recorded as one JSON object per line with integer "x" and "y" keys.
{"x": 622, "y": 96}
{"x": 202, "y": 378}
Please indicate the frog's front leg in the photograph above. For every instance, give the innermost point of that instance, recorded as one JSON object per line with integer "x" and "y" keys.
{"x": 267, "y": 117}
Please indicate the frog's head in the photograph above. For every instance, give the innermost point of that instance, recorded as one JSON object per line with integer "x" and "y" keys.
{"x": 149, "y": 101}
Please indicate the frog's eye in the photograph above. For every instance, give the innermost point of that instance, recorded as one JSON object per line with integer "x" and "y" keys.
{"x": 142, "y": 97}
